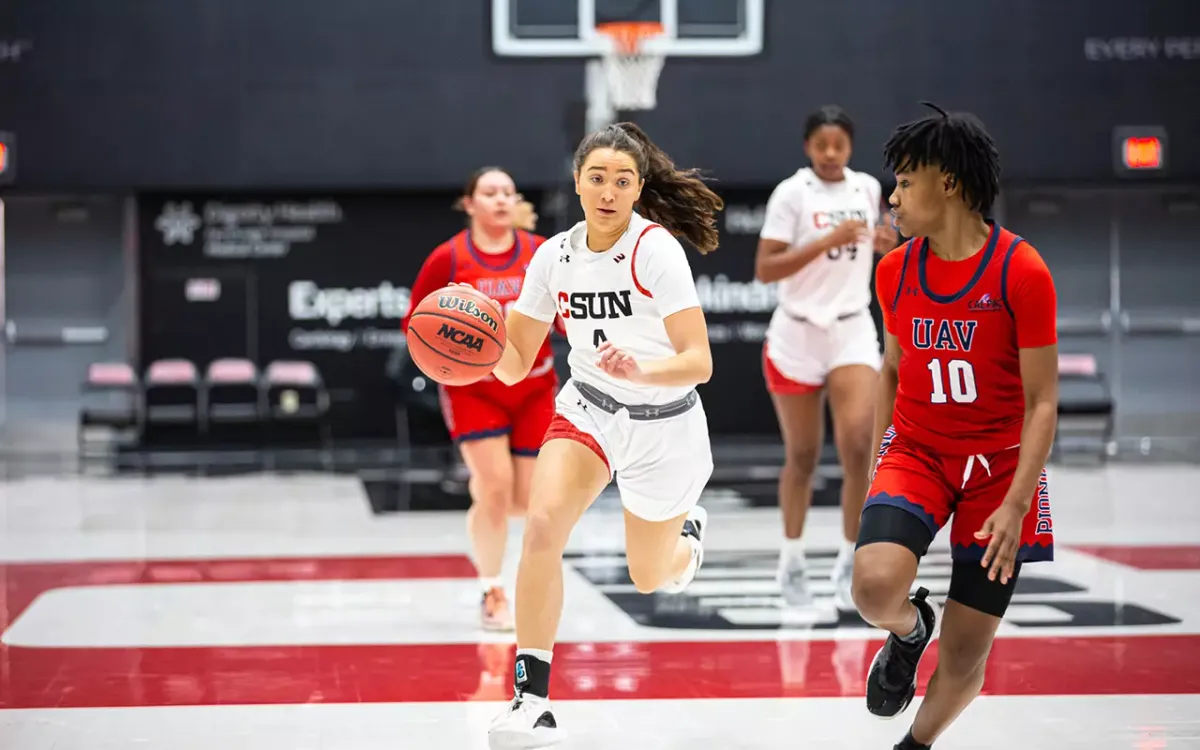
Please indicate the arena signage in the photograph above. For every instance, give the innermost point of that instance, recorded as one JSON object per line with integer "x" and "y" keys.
{"x": 324, "y": 278}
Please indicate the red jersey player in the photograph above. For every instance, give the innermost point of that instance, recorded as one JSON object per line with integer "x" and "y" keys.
{"x": 967, "y": 411}
{"x": 498, "y": 428}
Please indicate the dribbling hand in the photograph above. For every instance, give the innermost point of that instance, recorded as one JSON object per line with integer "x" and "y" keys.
{"x": 617, "y": 363}
{"x": 1004, "y": 529}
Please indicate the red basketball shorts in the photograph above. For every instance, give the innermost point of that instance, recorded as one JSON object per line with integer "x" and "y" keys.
{"x": 490, "y": 409}
{"x": 970, "y": 488}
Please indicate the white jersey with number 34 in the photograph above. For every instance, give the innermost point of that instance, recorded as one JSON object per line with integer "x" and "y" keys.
{"x": 804, "y": 208}
{"x": 620, "y": 295}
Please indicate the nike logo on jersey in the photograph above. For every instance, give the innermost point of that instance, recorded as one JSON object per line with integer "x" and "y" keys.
{"x": 595, "y": 305}
{"x": 945, "y": 335}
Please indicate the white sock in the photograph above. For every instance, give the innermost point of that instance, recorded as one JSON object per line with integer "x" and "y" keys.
{"x": 847, "y": 548}
{"x": 792, "y": 551}
{"x": 490, "y": 583}
{"x": 537, "y": 653}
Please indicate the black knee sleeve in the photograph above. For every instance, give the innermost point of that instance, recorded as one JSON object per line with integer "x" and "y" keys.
{"x": 887, "y": 523}
{"x": 970, "y": 587}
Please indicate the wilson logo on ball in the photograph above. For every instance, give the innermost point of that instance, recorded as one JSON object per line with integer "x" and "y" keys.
{"x": 462, "y": 338}
{"x": 451, "y": 302}
{"x": 456, "y": 337}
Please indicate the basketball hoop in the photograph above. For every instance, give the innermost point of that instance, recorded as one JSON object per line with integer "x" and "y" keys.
{"x": 631, "y": 71}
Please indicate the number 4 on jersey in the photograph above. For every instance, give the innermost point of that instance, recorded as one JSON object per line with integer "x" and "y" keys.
{"x": 598, "y": 337}
{"x": 962, "y": 381}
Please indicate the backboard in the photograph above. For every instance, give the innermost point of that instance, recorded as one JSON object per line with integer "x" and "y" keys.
{"x": 567, "y": 28}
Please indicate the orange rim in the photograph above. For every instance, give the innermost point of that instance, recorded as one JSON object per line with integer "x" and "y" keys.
{"x": 629, "y": 35}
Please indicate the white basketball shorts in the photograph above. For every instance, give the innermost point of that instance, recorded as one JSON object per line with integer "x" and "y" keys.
{"x": 661, "y": 465}
{"x": 805, "y": 354}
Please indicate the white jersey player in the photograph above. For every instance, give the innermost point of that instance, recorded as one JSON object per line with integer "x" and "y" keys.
{"x": 639, "y": 347}
{"x": 819, "y": 239}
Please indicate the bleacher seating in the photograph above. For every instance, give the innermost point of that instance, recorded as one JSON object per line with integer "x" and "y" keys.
{"x": 294, "y": 395}
{"x": 111, "y": 411}
{"x": 171, "y": 393}
{"x": 173, "y": 405}
{"x": 291, "y": 393}
{"x": 232, "y": 393}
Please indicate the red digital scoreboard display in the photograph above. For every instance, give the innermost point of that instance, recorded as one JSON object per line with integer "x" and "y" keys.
{"x": 1140, "y": 151}
{"x": 1143, "y": 153}
{"x": 7, "y": 158}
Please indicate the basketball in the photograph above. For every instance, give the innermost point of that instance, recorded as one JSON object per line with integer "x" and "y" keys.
{"x": 456, "y": 335}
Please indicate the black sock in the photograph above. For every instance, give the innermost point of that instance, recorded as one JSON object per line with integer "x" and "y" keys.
{"x": 531, "y": 675}
{"x": 908, "y": 743}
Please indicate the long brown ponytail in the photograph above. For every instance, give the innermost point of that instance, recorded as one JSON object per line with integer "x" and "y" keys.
{"x": 675, "y": 198}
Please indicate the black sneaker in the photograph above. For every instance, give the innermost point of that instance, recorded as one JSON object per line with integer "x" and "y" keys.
{"x": 908, "y": 743}
{"x": 892, "y": 681}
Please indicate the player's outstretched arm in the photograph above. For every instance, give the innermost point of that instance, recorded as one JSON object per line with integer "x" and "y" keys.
{"x": 525, "y": 337}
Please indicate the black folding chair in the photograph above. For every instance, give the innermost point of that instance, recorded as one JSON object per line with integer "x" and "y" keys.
{"x": 1085, "y": 402}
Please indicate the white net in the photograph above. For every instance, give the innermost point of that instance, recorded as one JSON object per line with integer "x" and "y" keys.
{"x": 632, "y": 79}
{"x": 631, "y": 71}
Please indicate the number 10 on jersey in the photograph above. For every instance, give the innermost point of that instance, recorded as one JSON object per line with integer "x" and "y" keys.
{"x": 961, "y": 378}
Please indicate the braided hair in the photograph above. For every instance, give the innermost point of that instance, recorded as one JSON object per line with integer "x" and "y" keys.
{"x": 958, "y": 144}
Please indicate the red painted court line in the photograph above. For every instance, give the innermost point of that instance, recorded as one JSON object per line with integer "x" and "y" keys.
{"x": 47, "y": 678}
{"x": 21, "y": 583}
{"x": 1175, "y": 557}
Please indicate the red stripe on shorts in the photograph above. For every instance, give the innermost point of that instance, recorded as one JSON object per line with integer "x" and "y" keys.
{"x": 561, "y": 428}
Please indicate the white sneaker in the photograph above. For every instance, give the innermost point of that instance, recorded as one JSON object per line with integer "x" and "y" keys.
{"x": 793, "y": 580}
{"x": 694, "y": 529}
{"x": 527, "y": 724}
{"x": 843, "y": 578}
